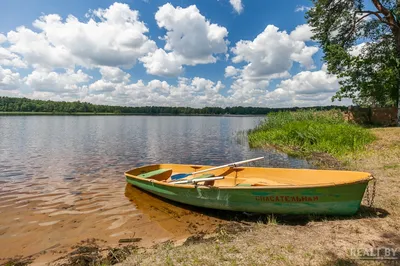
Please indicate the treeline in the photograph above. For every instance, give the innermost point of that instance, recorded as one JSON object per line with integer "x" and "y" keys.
{"x": 9, "y": 104}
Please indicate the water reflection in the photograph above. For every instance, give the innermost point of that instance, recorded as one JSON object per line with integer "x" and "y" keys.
{"x": 181, "y": 219}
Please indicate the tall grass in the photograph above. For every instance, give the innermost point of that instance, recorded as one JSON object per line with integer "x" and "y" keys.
{"x": 305, "y": 132}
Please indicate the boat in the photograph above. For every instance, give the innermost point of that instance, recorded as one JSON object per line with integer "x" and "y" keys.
{"x": 255, "y": 189}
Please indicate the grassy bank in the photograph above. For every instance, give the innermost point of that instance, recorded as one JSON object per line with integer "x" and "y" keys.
{"x": 305, "y": 132}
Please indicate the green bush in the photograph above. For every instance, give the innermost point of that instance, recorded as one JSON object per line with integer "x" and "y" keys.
{"x": 310, "y": 131}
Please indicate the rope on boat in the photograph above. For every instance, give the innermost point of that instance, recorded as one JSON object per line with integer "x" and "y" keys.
{"x": 371, "y": 198}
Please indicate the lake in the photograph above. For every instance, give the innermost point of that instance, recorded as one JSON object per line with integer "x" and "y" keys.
{"x": 62, "y": 176}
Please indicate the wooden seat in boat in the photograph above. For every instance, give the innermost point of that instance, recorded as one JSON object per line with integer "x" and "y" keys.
{"x": 159, "y": 174}
{"x": 205, "y": 176}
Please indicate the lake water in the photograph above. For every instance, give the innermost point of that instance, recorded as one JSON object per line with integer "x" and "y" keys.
{"x": 62, "y": 176}
{"x": 67, "y": 147}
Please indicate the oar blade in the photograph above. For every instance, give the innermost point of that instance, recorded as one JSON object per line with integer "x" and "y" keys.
{"x": 179, "y": 176}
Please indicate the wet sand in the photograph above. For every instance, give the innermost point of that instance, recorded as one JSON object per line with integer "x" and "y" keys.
{"x": 45, "y": 219}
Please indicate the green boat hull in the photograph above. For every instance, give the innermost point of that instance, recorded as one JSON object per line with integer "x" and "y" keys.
{"x": 330, "y": 200}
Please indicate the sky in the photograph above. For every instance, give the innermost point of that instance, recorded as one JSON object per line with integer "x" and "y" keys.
{"x": 163, "y": 53}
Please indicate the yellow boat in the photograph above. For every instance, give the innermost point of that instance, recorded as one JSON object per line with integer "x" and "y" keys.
{"x": 255, "y": 189}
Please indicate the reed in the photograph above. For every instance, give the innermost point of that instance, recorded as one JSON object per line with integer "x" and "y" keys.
{"x": 305, "y": 132}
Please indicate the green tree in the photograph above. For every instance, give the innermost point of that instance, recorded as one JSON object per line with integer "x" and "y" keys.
{"x": 361, "y": 43}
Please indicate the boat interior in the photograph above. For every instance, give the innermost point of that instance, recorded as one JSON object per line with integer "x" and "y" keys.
{"x": 244, "y": 176}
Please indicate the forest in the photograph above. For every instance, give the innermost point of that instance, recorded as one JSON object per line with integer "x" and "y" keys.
{"x": 11, "y": 104}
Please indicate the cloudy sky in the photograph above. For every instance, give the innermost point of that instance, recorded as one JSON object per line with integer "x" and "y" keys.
{"x": 171, "y": 53}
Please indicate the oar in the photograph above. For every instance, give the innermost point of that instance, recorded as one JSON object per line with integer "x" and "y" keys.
{"x": 197, "y": 180}
{"x": 180, "y": 176}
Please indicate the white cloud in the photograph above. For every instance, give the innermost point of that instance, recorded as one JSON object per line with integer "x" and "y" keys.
{"x": 50, "y": 81}
{"x": 160, "y": 87}
{"x": 307, "y": 88}
{"x": 111, "y": 37}
{"x": 102, "y": 86}
{"x": 307, "y": 82}
{"x": 3, "y": 38}
{"x": 114, "y": 74}
{"x": 37, "y": 51}
{"x": 206, "y": 86}
{"x": 47, "y": 95}
{"x": 101, "y": 98}
{"x": 280, "y": 98}
{"x": 304, "y": 89}
{"x": 231, "y": 71}
{"x": 237, "y": 5}
{"x": 190, "y": 40}
{"x": 195, "y": 92}
{"x": 161, "y": 63}
{"x": 356, "y": 50}
{"x": 248, "y": 92}
{"x": 190, "y": 35}
{"x": 11, "y": 93}
{"x": 8, "y": 58}
{"x": 111, "y": 79}
{"x": 304, "y": 56}
{"x": 271, "y": 54}
{"x": 302, "y": 8}
{"x": 9, "y": 80}
{"x": 302, "y": 33}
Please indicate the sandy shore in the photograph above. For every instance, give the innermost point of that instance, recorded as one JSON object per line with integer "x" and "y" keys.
{"x": 43, "y": 220}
